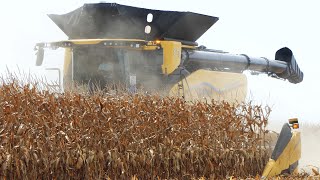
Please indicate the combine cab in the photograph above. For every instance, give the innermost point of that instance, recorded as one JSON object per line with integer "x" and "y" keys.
{"x": 152, "y": 49}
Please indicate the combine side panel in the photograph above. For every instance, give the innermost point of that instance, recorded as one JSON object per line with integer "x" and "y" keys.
{"x": 286, "y": 154}
{"x": 206, "y": 85}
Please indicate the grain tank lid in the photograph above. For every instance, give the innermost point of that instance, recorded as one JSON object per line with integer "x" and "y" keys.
{"x": 111, "y": 20}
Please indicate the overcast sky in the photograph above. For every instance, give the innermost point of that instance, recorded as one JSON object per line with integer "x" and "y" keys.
{"x": 257, "y": 28}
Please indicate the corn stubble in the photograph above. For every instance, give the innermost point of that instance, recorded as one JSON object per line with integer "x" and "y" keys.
{"x": 76, "y": 136}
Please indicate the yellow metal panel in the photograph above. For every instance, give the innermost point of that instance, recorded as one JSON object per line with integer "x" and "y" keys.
{"x": 290, "y": 155}
{"x": 188, "y": 47}
{"x": 96, "y": 41}
{"x": 151, "y": 45}
{"x": 171, "y": 56}
{"x": 207, "y": 85}
{"x": 67, "y": 66}
{"x": 91, "y": 41}
{"x": 149, "y": 48}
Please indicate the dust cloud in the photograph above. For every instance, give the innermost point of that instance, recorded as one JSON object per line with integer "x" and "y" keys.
{"x": 310, "y": 140}
{"x": 310, "y": 144}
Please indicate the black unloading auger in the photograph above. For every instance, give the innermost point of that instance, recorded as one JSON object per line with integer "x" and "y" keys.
{"x": 284, "y": 66}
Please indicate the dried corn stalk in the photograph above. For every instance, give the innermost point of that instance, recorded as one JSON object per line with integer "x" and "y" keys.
{"x": 44, "y": 135}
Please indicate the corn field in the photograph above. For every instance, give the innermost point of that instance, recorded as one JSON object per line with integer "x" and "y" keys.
{"x": 75, "y": 136}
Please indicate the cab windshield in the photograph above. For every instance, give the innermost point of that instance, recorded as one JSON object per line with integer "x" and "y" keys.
{"x": 107, "y": 66}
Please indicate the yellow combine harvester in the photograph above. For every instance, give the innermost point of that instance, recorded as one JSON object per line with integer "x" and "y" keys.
{"x": 111, "y": 43}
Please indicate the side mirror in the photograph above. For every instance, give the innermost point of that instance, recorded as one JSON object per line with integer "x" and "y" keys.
{"x": 40, "y": 56}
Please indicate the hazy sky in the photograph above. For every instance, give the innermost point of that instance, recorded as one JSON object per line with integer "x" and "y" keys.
{"x": 257, "y": 28}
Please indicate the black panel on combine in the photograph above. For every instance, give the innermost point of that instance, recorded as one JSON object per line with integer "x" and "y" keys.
{"x": 283, "y": 140}
{"x": 111, "y": 20}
